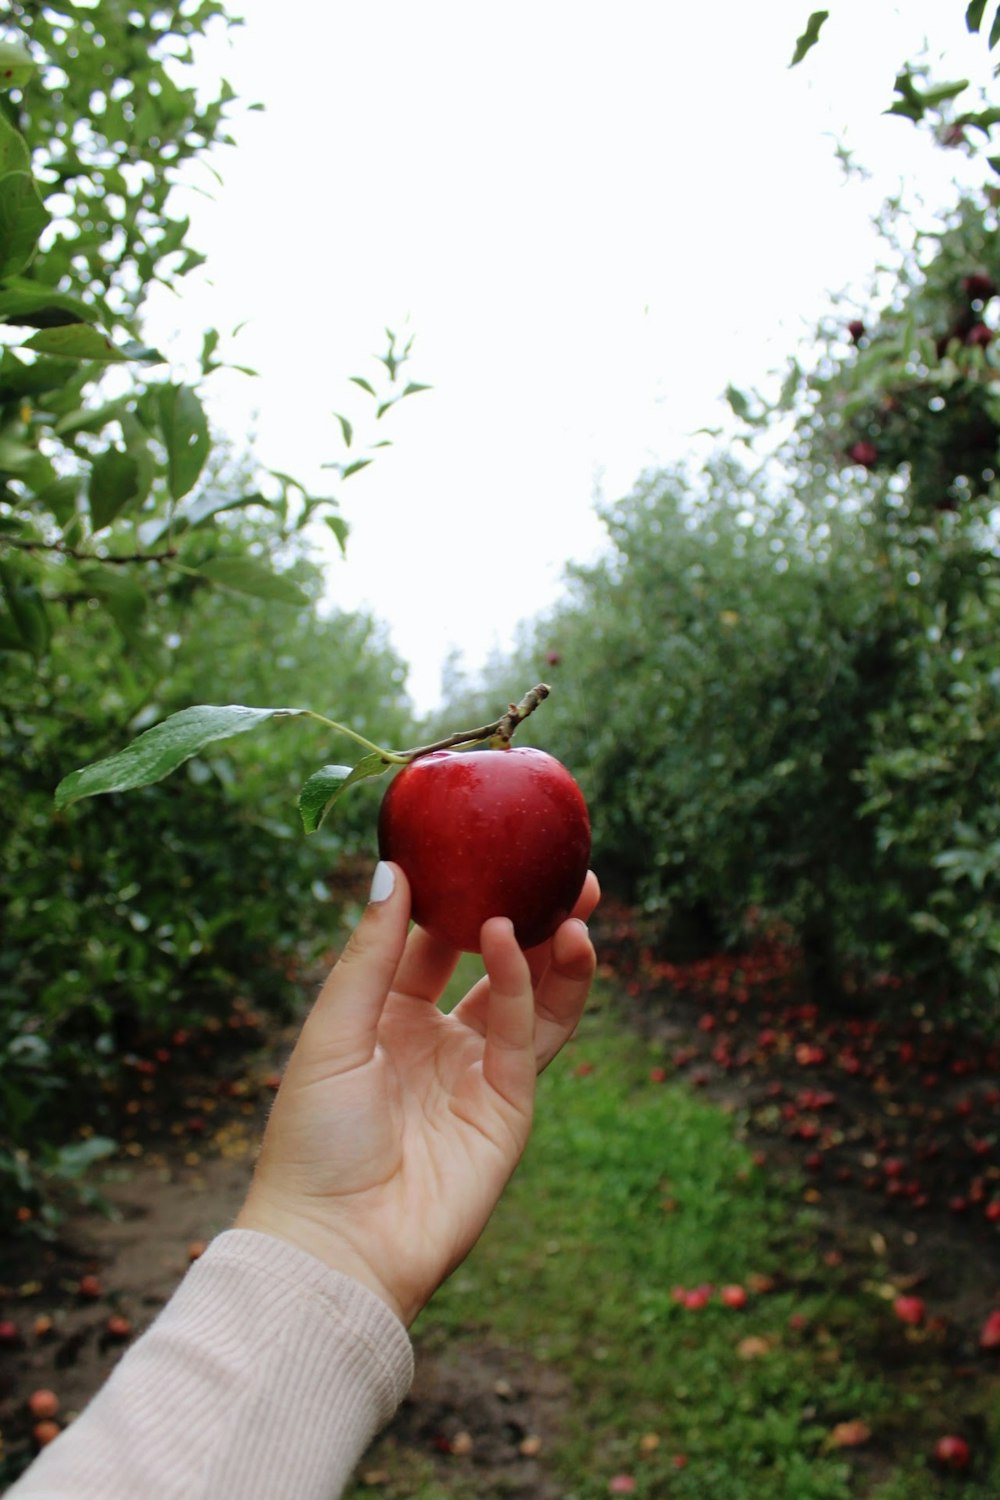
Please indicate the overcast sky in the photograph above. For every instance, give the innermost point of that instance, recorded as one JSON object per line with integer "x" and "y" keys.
{"x": 592, "y": 218}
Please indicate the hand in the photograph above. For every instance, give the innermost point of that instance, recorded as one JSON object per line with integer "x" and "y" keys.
{"x": 396, "y": 1127}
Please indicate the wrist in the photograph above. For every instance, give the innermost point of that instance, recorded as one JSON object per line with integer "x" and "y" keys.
{"x": 322, "y": 1243}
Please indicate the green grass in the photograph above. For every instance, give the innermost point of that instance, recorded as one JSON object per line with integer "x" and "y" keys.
{"x": 576, "y": 1272}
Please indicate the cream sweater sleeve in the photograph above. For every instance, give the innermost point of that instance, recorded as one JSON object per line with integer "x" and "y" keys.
{"x": 265, "y": 1376}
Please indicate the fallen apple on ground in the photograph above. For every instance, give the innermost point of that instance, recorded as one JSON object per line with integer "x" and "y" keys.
{"x": 487, "y": 833}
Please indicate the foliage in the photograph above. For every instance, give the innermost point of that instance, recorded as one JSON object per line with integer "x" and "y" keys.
{"x": 141, "y": 566}
{"x": 715, "y": 674}
{"x": 781, "y": 686}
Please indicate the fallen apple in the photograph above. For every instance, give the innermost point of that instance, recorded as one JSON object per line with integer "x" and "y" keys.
{"x": 487, "y": 833}
{"x": 952, "y": 1452}
{"x": 43, "y": 1404}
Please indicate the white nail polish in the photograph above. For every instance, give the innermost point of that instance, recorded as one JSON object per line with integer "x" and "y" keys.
{"x": 383, "y": 882}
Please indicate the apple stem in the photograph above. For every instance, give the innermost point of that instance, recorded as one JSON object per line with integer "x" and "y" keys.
{"x": 498, "y": 734}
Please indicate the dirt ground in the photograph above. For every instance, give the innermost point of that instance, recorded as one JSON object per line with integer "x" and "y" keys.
{"x": 891, "y": 1131}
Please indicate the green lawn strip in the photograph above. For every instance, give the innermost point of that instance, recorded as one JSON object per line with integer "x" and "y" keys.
{"x": 629, "y": 1189}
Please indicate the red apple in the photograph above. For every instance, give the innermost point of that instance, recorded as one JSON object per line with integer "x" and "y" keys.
{"x": 910, "y": 1310}
{"x": 10, "y": 1335}
{"x": 989, "y": 1334}
{"x": 863, "y": 453}
{"x": 43, "y": 1404}
{"x": 497, "y": 833}
{"x": 979, "y": 287}
{"x": 952, "y": 1452}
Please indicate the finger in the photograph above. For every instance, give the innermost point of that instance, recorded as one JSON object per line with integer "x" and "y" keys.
{"x": 590, "y": 895}
{"x": 562, "y": 992}
{"x": 509, "y": 1053}
{"x": 343, "y": 1025}
{"x": 556, "y": 992}
{"x": 426, "y": 966}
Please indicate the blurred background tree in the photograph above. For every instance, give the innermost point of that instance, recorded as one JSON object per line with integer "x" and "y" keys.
{"x": 143, "y": 565}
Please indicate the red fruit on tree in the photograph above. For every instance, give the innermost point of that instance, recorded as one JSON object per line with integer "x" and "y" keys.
{"x": 989, "y": 1334}
{"x": 979, "y": 336}
{"x": 856, "y": 329}
{"x": 952, "y": 1452}
{"x": 910, "y": 1310}
{"x": 553, "y": 658}
{"x": 495, "y": 833}
{"x": 863, "y": 453}
{"x": 978, "y": 287}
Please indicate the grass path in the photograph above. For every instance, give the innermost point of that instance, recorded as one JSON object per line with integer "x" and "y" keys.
{"x": 632, "y": 1192}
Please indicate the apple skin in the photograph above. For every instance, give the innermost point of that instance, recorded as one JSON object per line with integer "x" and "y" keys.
{"x": 491, "y": 833}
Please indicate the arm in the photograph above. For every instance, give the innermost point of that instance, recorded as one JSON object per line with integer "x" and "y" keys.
{"x": 394, "y": 1132}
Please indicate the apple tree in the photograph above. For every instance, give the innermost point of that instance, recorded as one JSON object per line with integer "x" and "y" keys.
{"x": 140, "y": 561}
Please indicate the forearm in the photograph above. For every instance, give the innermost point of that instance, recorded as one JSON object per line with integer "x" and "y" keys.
{"x": 266, "y": 1374}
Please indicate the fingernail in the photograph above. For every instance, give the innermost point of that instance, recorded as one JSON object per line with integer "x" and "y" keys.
{"x": 383, "y": 882}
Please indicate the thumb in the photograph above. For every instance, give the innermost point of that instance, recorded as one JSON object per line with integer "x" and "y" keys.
{"x": 345, "y": 1018}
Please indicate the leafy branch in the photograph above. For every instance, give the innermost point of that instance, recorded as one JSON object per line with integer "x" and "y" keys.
{"x": 160, "y": 750}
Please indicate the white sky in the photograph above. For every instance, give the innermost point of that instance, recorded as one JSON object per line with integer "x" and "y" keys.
{"x": 591, "y": 217}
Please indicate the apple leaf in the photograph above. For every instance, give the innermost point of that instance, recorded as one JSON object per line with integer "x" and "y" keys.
{"x": 245, "y": 575}
{"x": 327, "y": 784}
{"x": 16, "y": 65}
{"x": 974, "y": 14}
{"x": 809, "y": 37}
{"x": 163, "y": 748}
{"x": 81, "y": 341}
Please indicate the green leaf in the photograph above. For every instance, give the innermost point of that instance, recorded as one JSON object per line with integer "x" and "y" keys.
{"x": 114, "y": 482}
{"x": 60, "y": 498}
{"x": 14, "y": 456}
{"x": 346, "y": 429}
{"x": 80, "y": 341}
{"x": 73, "y": 1160}
{"x": 327, "y": 785}
{"x": 248, "y": 576}
{"x": 974, "y": 14}
{"x": 809, "y": 37}
{"x": 141, "y": 354}
{"x": 359, "y": 380}
{"x": 16, "y": 65}
{"x": 27, "y": 610}
{"x": 340, "y": 529}
{"x": 185, "y": 432}
{"x": 37, "y": 306}
{"x": 943, "y": 92}
{"x": 163, "y": 748}
{"x": 90, "y": 419}
{"x": 10, "y": 636}
{"x": 413, "y": 387}
{"x": 23, "y": 216}
{"x": 14, "y": 153}
{"x": 124, "y": 599}
{"x": 355, "y": 467}
{"x": 739, "y": 403}
{"x": 995, "y": 30}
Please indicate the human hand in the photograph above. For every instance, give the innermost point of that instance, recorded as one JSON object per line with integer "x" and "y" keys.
{"x": 397, "y": 1127}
